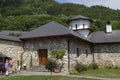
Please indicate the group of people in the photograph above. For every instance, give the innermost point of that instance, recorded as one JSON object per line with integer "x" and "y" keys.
{"x": 7, "y": 67}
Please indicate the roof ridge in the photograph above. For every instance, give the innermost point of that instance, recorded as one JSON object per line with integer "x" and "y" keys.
{"x": 63, "y": 27}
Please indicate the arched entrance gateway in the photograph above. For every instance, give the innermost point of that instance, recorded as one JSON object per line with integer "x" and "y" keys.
{"x": 3, "y": 57}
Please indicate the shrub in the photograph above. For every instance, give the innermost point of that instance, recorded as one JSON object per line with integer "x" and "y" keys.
{"x": 73, "y": 71}
{"x": 109, "y": 66}
{"x": 112, "y": 67}
{"x": 116, "y": 67}
{"x": 81, "y": 67}
{"x": 58, "y": 54}
{"x": 93, "y": 66}
{"x": 51, "y": 65}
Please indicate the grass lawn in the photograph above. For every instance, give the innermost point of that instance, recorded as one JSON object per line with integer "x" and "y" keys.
{"x": 41, "y": 78}
{"x": 106, "y": 73}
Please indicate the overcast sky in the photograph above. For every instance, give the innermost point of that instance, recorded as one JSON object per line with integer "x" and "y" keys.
{"x": 114, "y": 4}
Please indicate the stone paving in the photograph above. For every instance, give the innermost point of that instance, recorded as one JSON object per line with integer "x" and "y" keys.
{"x": 28, "y": 73}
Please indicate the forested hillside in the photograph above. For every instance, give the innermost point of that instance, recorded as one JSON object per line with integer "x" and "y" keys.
{"x": 26, "y": 15}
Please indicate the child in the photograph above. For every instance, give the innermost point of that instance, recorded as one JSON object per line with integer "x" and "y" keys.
{"x": 6, "y": 67}
{"x": 11, "y": 65}
{"x": 18, "y": 67}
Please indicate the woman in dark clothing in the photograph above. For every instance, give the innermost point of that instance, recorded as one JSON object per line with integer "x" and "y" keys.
{"x": 2, "y": 68}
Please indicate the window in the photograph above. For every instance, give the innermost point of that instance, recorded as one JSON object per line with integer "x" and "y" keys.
{"x": 86, "y": 52}
{"x": 78, "y": 52}
{"x": 71, "y": 27}
{"x": 76, "y": 26}
{"x": 83, "y": 26}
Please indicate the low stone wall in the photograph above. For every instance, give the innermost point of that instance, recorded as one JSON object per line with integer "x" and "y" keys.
{"x": 107, "y": 54}
{"x": 108, "y": 59}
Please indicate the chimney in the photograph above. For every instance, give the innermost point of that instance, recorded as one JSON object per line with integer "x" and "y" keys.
{"x": 108, "y": 27}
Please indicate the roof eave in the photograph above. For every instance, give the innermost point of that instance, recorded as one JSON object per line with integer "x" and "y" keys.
{"x": 43, "y": 36}
{"x": 80, "y": 38}
{"x": 105, "y": 42}
{"x": 56, "y": 36}
{"x": 11, "y": 40}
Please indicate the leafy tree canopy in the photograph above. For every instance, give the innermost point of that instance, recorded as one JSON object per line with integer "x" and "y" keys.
{"x": 26, "y": 15}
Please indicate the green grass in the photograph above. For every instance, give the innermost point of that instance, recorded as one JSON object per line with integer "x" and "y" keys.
{"x": 105, "y": 73}
{"x": 41, "y": 78}
{"x": 102, "y": 72}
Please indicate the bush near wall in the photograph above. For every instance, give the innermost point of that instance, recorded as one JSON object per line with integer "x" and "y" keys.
{"x": 57, "y": 54}
{"x": 81, "y": 67}
{"x": 51, "y": 65}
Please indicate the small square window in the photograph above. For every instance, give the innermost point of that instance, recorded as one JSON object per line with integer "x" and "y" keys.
{"x": 76, "y": 26}
{"x": 78, "y": 52}
{"x": 86, "y": 52}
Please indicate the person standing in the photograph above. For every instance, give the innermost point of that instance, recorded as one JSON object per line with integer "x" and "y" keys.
{"x": 6, "y": 67}
{"x": 11, "y": 65}
{"x": 1, "y": 68}
{"x": 18, "y": 67}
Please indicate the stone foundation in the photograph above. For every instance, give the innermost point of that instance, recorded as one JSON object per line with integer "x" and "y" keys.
{"x": 108, "y": 59}
{"x": 107, "y": 54}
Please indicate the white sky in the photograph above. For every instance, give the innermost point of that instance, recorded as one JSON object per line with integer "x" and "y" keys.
{"x": 114, "y": 4}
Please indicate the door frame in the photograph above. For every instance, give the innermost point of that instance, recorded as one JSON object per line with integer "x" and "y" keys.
{"x": 39, "y": 54}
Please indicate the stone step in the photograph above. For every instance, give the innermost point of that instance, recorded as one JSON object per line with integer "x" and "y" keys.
{"x": 39, "y": 69}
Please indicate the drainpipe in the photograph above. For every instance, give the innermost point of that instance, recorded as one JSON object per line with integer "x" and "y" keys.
{"x": 21, "y": 56}
{"x": 93, "y": 49}
{"x": 68, "y": 44}
{"x": 92, "y": 52}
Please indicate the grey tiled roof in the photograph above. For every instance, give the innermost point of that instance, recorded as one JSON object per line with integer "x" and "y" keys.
{"x": 51, "y": 29}
{"x": 79, "y": 17}
{"x": 56, "y": 29}
{"x": 6, "y": 37}
{"x": 7, "y": 32}
{"x": 103, "y": 37}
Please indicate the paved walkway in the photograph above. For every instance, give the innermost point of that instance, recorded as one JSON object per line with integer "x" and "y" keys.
{"x": 27, "y": 73}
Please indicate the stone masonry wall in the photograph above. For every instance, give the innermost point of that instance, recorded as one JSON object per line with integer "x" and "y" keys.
{"x": 107, "y": 54}
{"x": 11, "y": 49}
{"x": 85, "y": 55}
{"x": 31, "y": 47}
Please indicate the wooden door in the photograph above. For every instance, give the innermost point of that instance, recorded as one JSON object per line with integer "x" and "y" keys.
{"x": 42, "y": 56}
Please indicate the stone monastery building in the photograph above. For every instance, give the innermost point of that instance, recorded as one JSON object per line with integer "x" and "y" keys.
{"x": 79, "y": 41}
